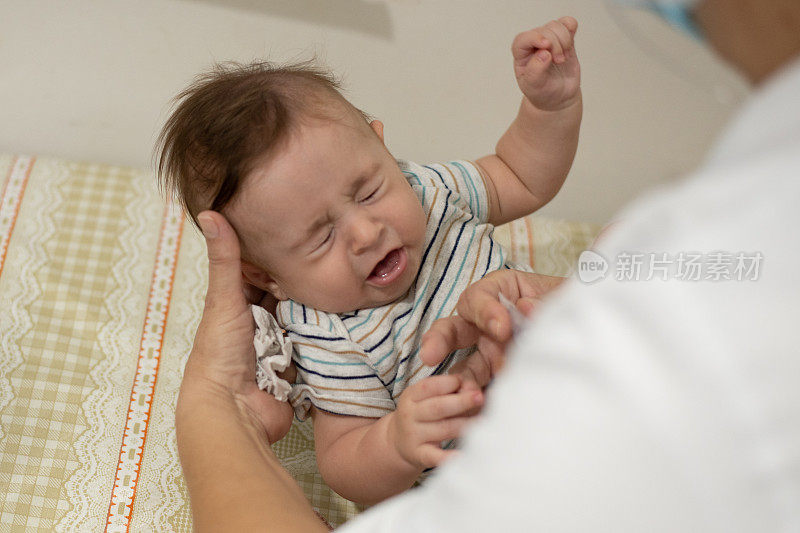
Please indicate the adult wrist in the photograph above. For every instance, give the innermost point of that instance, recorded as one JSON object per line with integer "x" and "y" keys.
{"x": 201, "y": 398}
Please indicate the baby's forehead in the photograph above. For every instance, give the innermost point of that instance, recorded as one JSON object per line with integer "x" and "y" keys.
{"x": 258, "y": 227}
{"x": 338, "y": 119}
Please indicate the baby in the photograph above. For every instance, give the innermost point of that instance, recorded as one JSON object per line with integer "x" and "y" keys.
{"x": 364, "y": 252}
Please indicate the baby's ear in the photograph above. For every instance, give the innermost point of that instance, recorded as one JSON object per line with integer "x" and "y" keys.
{"x": 258, "y": 277}
{"x": 377, "y": 127}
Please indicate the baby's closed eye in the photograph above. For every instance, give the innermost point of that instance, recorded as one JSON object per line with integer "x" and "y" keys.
{"x": 326, "y": 236}
{"x": 372, "y": 192}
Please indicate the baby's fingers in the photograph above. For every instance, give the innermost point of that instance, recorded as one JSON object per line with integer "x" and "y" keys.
{"x": 431, "y": 455}
{"x": 570, "y": 23}
{"x": 526, "y": 42}
{"x": 442, "y": 408}
{"x": 562, "y": 39}
{"x": 443, "y": 430}
{"x": 432, "y": 387}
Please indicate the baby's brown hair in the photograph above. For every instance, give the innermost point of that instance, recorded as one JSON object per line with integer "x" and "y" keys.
{"x": 231, "y": 117}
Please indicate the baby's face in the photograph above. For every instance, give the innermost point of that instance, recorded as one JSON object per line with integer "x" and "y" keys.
{"x": 332, "y": 219}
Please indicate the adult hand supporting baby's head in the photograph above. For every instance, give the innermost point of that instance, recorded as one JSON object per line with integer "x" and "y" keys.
{"x": 223, "y": 357}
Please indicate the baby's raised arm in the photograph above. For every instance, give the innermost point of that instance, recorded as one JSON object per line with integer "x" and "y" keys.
{"x": 535, "y": 154}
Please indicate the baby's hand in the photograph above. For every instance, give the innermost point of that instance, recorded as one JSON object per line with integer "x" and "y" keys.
{"x": 429, "y": 412}
{"x": 546, "y": 66}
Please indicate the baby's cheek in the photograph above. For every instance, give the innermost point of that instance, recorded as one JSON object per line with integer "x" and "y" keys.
{"x": 338, "y": 282}
{"x": 419, "y": 223}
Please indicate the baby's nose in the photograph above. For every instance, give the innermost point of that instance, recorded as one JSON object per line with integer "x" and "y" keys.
{"x": 366, "y": 232}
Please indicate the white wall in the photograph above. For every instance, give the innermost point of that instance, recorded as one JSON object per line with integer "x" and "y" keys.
{"x": 92, "y": 79}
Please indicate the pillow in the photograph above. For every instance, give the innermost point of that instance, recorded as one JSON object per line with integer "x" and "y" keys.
{"x": 101, "y": 290}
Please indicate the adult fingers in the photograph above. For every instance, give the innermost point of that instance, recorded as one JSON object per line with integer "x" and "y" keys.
{"x": 493, "y": 354}
{"x": 224, "y": 262}
{"x": 444, "y": 336}
{"x": 535, "y": 286}
{"x": 480, "y": 305}
{"x": 526, "y": 305}
{"x": 475, "y": 372}
{"x": 470, "y": 379}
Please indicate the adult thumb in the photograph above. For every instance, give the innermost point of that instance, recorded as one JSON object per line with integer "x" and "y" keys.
{"x": 224, "y": 260}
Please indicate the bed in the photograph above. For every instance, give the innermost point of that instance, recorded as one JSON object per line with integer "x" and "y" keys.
{"x": 101, "y": 290}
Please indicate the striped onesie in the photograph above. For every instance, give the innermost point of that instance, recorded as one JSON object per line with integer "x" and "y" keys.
{"x": 358, "y": 363}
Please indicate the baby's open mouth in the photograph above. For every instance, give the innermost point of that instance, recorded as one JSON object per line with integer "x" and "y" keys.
{"x": 389, "y": 268}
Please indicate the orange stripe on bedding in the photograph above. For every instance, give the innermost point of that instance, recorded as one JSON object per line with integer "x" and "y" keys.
{"x": 513, "y": 242}
{"x": 131, "y": 452}
{"x": 11, "y": 200}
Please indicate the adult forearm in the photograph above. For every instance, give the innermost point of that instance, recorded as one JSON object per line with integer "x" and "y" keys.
{"x": 364, "y": 466}
{"x": 235, "y": 481}
{"x": 539, "y": 146}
